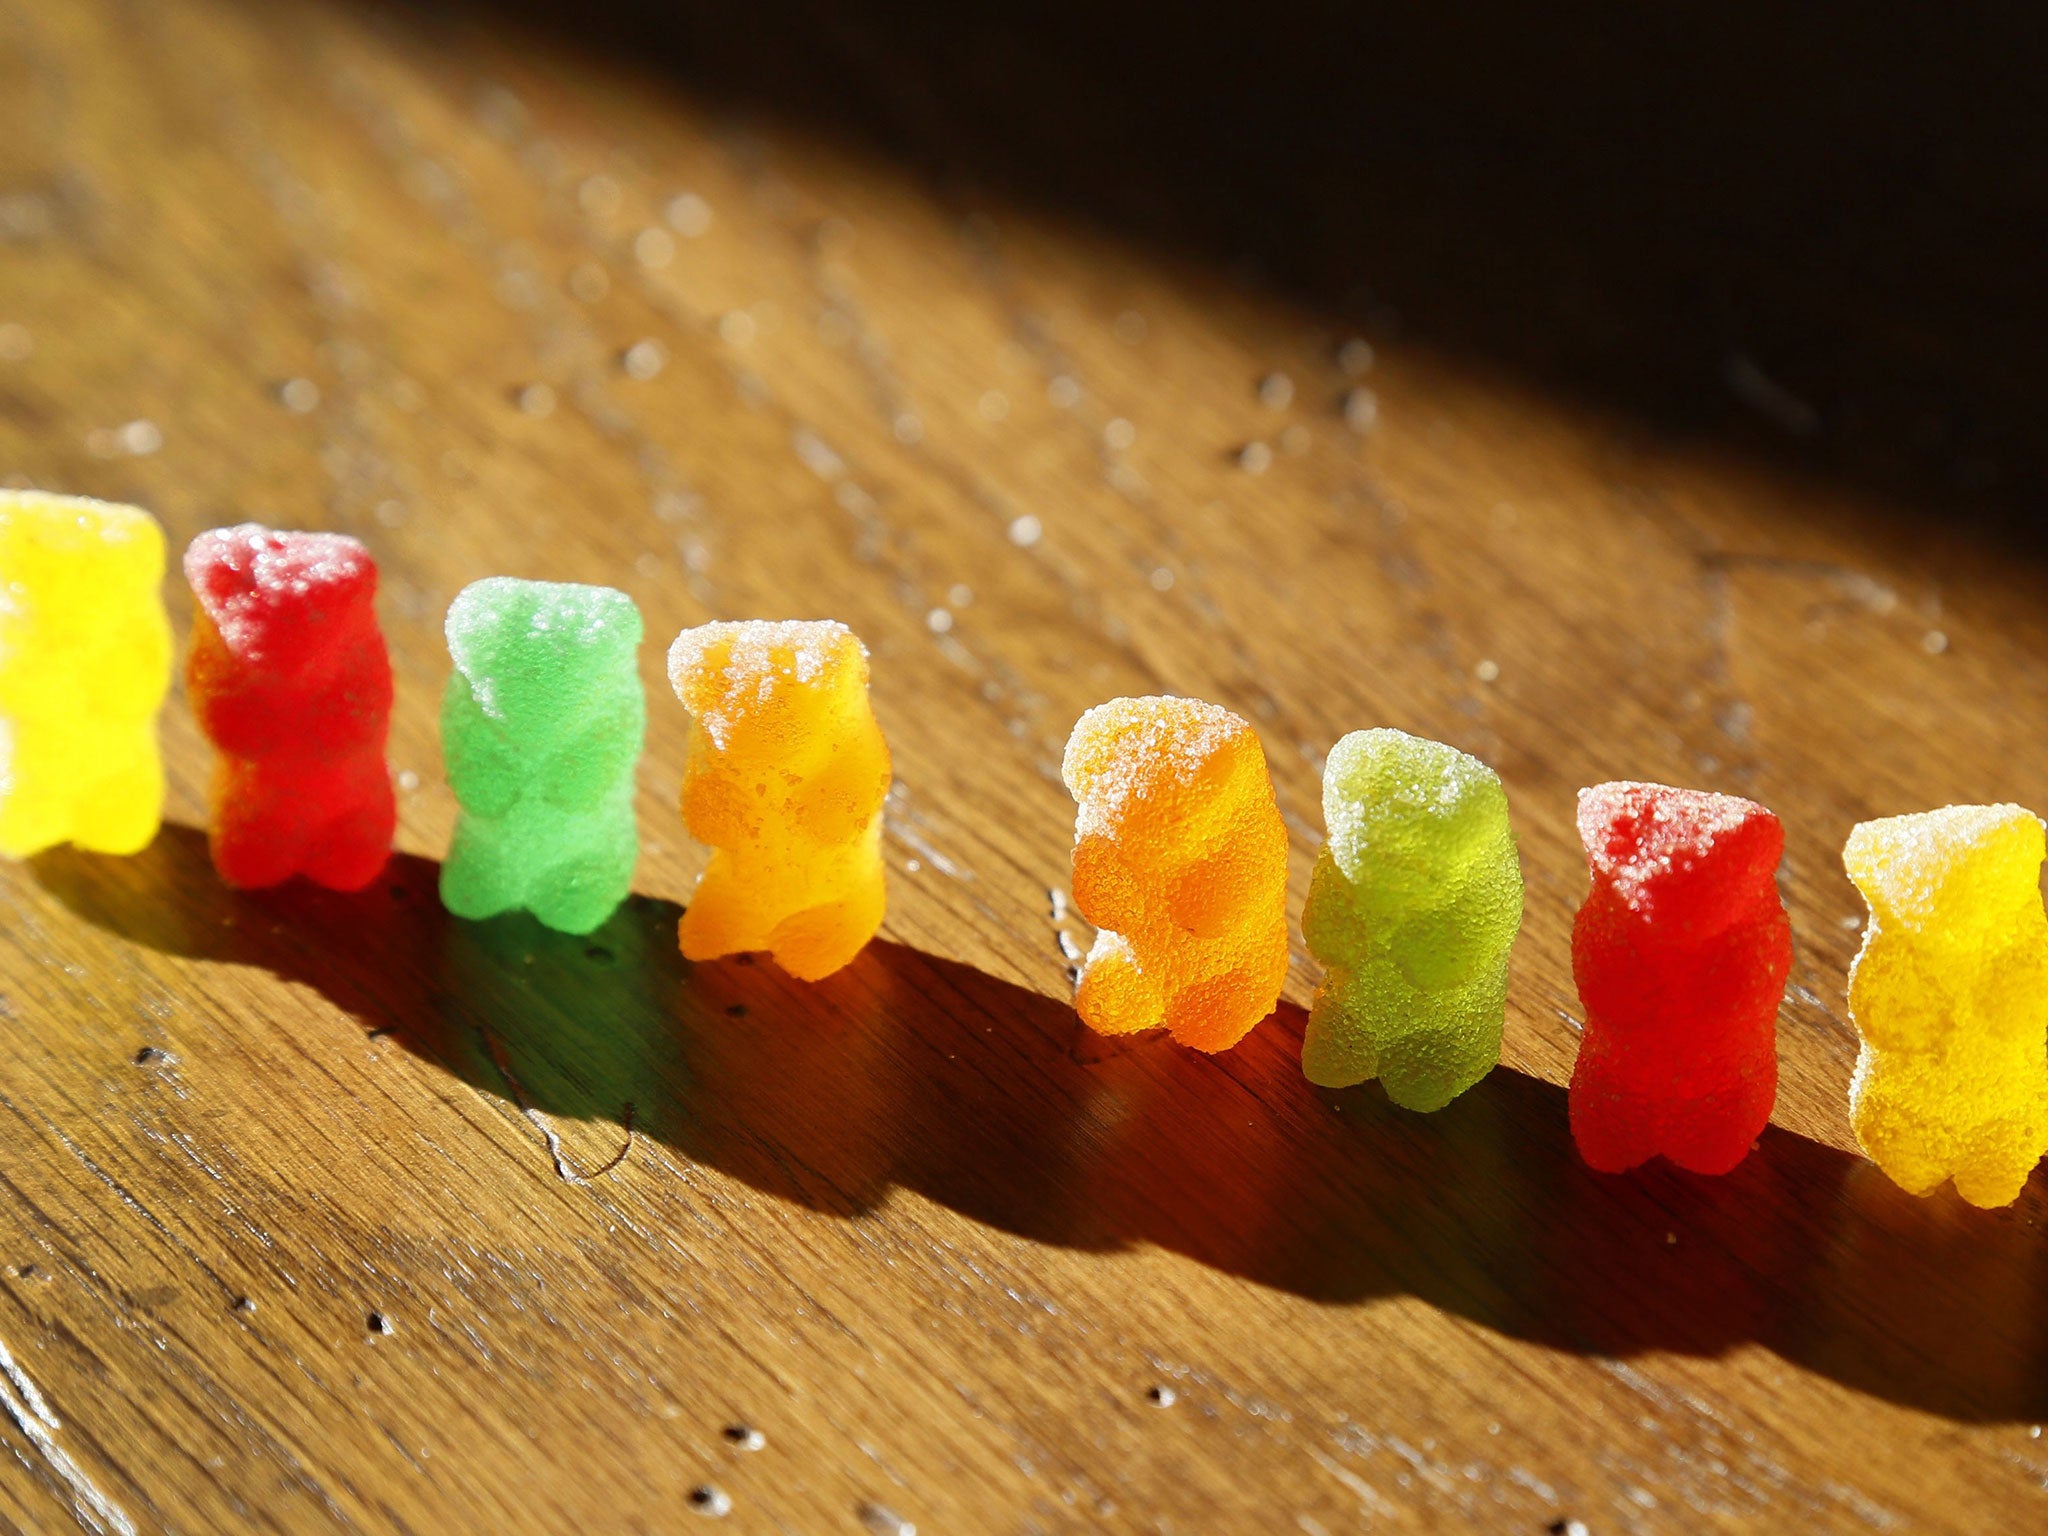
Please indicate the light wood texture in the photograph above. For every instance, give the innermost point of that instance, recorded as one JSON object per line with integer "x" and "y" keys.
{"x": 955, "y": 1260}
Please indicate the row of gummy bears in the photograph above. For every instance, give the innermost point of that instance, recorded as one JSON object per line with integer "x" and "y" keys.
{"x": 1681, "y": 950}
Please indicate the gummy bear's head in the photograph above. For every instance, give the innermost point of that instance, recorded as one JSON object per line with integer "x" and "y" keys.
{"x": 1691, "y": 861}
{"x": 1408, "y": 817}
{"x": 1948, "y": 876}
{"x": 1164, "y": 776}
{"x": 541, "y": 655}
{"x": 271, "y": 595}
{"x": 65, "y": 561}
{"x": 788, "y": 692}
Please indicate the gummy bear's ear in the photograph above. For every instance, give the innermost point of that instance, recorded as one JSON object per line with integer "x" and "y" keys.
{"x": 1091, "y": 751}
{"x": 697, "y": 664}
{"x": 1915, "y": 871}
{"x": 1099, "y": 755}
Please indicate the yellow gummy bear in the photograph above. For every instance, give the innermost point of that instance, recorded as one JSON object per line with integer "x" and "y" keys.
{"x": 1950, "y": 995}
{"x": 786, "y": 777}
{"x": 85, "y": 661}
{"x": 1180, "y": 861}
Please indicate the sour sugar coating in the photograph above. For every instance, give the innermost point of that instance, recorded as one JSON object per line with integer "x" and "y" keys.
{"x": 1950, "y": 996}
{"x": 291, "y": 682}
{"x": 1180, "y": 861}
{"x": 541, "y": 726}
{"x": 1414, "y": 905}
{"x": 1681, "y": 953}
{"x": 85, "y": 661}
{"x": 785, "y": 779}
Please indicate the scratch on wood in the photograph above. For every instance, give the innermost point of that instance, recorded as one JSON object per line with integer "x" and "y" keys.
{"x": 564, "y": 1168}
{"x": 902, "y": 825}
{"x": 1368, "y": 1496}
{"x": 32, "y": 1416}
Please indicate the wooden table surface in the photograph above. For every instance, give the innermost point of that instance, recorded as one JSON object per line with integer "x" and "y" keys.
{"x": 323, "y": 1213}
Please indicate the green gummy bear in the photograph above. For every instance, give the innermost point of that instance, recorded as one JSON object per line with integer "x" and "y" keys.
{"x": 541, "y": 727}
{"x": 1414, "y": 905}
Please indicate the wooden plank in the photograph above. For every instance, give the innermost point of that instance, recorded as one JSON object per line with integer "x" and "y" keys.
{"x": 946, "y": 1255}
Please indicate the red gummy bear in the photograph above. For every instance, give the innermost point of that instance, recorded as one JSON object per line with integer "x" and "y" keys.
{"x": 1680, "y": 953}
{"x": 290, "y": 680}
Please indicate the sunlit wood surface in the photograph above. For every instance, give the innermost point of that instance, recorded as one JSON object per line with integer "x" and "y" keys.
{"x": 325, "y": 1213}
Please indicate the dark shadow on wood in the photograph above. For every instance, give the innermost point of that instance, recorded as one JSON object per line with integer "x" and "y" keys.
{"x": 910, "y": 1071}
{"x": 1810, "y": 231}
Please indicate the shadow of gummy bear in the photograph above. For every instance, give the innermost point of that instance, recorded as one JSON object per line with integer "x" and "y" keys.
{"x": 906, "y": 1070}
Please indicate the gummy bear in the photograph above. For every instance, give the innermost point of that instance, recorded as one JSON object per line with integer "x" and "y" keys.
{"x": 1680, "y": 953}
{"x": 1950, "y": 996}
{"x": 290, "y": 680}
{"x": 1180, "y": 860}
{"x": 541, "y": 727}
{"x": 85, "y": 661}
{"x": 1414, "y": 905}
{"x": 786, "y": 777}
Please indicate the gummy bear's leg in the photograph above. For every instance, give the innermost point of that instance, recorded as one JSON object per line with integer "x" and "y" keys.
{"x": 577, "y": 895}
{"x": 121, "y": 812}
{"x": 255, "y": 837}
{"x": 574, "y": 899}
{"x": 1614, "y": 1130}
{"x": 1216, "y": 1012}
{"x": 1115, "y": 996}
{"x": 1337, "y": 1048}
{"x": 819, "y": 940}
{"x": 1449, "y": 1041}
{"x": 481, "y": 877}
{"x": 353, "y": 847}
{"x": 590, "y": 871}
{"x": 1424, "y": 1069}
{"x": 1990, "y": 1182}
{"x": 1994, "y": 1165}
{"x": 1713, "y": 1133}
{"x": 1894, "y": 1138}
{"x": 1703, "y": 1137}
{"x": 719, "y": 920}
{"x": 35, "y": 808}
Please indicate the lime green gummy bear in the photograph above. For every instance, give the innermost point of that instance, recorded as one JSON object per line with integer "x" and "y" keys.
{"x": 541, "y": 728}
{"x": 1413, "y": 906}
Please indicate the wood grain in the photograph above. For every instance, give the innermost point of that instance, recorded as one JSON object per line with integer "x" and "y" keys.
{"x": 336, "y": 1213}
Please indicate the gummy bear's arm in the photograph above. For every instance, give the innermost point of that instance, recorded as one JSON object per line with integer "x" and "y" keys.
{"x": 2013, "y": 987}
{"x": 1472, "y": 928}
{"x": 36, "y": 678}
{"x": 237, "y": 705}
{"x": 132, "y": 665}
{"x": 1609, "y": 967}
{"x": 1106, "y": 889}
{"x": 344, "y": 706}
{"x": 837, "y": 802}
{"x": 1330, "y": 921}
{"x": 1209, "y": 896}
{"x": 485, "y": 773}
{"x": 1900, "y": 996}
{"x": 601, "y": 753}
{"x": 239, "y": 720}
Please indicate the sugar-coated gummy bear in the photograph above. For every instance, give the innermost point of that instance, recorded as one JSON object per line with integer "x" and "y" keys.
{"x": 1681, "y": 953}
{"x": 1414, "y": 905}
{"x": 541, "y": 727}
{"x": 1180, "y": 861}
{"x": 290, "y": 680}
{"x": 786, "y": 777}
{"x": 1950, "y": 995}
{"x": 85, "y": 661}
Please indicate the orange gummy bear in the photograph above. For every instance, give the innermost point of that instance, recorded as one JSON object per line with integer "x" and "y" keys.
{"x": 786, "y": 777}
{"x": 1180, "y": 861}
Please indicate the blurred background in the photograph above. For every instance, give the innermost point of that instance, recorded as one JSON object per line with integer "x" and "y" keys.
{"x": 1812, "y": 231}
